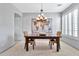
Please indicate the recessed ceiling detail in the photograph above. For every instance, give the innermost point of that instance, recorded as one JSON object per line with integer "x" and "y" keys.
{"x": 35, "y": 7}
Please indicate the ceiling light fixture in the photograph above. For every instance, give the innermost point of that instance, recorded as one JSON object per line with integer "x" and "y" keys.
{"x": 41, "y": 19}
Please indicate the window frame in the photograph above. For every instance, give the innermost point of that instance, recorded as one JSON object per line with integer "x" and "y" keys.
{"x": 73, "y": 24}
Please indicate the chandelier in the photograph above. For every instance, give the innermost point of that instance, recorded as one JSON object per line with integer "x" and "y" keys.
{"x": 41, "y": 19}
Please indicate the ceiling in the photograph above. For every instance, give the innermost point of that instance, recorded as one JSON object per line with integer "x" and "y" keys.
{"x": 35, "y": 7}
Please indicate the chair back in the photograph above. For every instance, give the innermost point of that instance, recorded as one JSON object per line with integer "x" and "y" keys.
{"x": 58, "y": 34}
{"x": 25, "y": 33}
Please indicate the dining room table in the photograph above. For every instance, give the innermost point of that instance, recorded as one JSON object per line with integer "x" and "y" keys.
{"x": 56, "y": 38}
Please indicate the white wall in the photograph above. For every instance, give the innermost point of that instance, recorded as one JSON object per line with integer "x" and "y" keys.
{"x": 7, "y": 12}
{"x": 27, "y": 17}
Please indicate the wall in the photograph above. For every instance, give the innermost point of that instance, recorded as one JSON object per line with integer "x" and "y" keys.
{"x": 27, "y": 17}
{"x": 7, "y": 12}
{"x": 74, "y": 42}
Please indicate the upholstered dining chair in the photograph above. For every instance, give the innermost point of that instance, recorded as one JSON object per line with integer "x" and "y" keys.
{"x": 31, "y": 41}
{"x": 51, "y": 42}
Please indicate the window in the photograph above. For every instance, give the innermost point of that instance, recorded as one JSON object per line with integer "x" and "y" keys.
{"x": 70, "y": 23}
{"x": 65, "y": 24}
{"x": 63, "y": 27}
{"x": 75, "y": 24}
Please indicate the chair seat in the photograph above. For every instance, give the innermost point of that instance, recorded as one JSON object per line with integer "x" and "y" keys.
{"x": 31, "y": 41}
{"x": 54, "y": 41}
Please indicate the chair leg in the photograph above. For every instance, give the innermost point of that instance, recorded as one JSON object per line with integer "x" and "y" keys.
{"x": 33, "y": 46}
{"x": 24, "y": 46}
{"x": 53, "y": 43}
{"x": 30, "y": 43}
{"x": 50, "y": 44}
{"x": 34, "y": 43}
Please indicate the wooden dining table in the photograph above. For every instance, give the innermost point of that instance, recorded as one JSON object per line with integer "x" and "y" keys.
{"x": 42, "y": 37}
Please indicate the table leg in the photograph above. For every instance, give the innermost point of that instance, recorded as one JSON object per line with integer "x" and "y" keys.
{"x": 58, "y": 44}
{"x": 27, "y": 41}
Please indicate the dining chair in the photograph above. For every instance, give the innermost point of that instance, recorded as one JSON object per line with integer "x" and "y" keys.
{"x": 51, "y": 42}
{"x": 31, "y": 41}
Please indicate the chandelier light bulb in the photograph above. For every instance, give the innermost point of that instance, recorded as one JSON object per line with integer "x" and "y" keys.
{"x": 37, "y": 18}
{"x": 39, "y": 15}
{"x": 42, "y": 14}
{"x": 45, "y": 17}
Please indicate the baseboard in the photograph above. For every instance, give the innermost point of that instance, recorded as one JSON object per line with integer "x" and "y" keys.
{"x": 8, "y": 48}
{"x": 67, "y": 42}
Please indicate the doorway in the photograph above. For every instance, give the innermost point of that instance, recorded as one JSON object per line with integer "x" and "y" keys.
{"x": 17, "y": 27}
